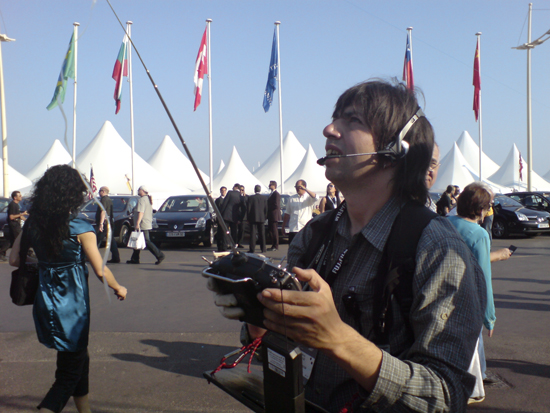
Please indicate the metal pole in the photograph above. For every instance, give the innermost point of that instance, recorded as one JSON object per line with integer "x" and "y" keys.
{"x": 75, "y": 24}
{"x": 209, "y": 68}
{"x": 129, "y": 49}
{"x": 277, "y": 23}
{"x": 529, "y": 126}
{"x": 4, "y": 38}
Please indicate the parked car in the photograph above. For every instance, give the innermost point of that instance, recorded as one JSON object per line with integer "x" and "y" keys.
{"x": 513, "y": 218}
{"x": 539, "y": 201}
{"x": 123, "y": 207}
{"x": 184, "y": 219}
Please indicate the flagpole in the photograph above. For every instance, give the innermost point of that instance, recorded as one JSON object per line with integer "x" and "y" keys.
{"x": 277, "y": 24}
{"x": 75, "y": 34}
{"x": 478, "y": 34}
{"x": 409, "y": 32}
{"x": 4, "y": 38}
{"x": 209, "y": 59}
{"x": 129, "y": 51}
{"x": 529, "y": 124}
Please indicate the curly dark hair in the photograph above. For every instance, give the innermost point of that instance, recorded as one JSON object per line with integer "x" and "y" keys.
{"x": 57, "y": 195}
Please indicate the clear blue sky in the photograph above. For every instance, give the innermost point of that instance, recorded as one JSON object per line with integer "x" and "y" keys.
{"x": 326, "y": 46}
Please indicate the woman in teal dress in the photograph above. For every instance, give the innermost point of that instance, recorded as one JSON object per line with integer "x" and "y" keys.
{"x": 61, "y": 311}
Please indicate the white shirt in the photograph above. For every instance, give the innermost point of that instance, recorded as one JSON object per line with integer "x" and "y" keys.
{"x": 300, "y": 209}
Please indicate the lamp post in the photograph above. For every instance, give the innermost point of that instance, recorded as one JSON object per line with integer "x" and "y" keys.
{"x": 4, "y": 38}
{"x": 528, "y": 46}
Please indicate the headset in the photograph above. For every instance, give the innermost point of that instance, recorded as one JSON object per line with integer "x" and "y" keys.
{"x": 394, "y": 151}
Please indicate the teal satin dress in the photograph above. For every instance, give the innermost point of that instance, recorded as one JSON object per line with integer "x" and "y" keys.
{"x": 62, "y": 305}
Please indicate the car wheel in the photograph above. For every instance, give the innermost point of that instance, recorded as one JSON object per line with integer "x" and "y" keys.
{"x": 499, "y": 229}
{"x": 124, "y": 236}
{"x": 210, "y": 240}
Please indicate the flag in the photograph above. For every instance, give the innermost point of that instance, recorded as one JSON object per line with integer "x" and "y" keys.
{"x": 201, "y": 68}
{"x": 92, "y": 183}
{"x": 272, "y": 75}
{"x": 520, "y": 167}
{"x": 408, "y": 65}
{"x": 120, "y": 70}
{"x": 477, "y": 83}
{"x": 67, "y": 71}
{"x": 128, "y": 183}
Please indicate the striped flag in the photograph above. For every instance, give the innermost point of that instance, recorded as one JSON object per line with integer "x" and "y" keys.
{"x": 120, "y": 70}
{"x": 477, "y": 83}
{"x": 408, "y": 65}
{"x": 92, "y": 183}
{"x": 520, "y": 167}
{"x": 67, "y": 71}
{"x": 272, "y": 75}
{"x": 201, "y": 68}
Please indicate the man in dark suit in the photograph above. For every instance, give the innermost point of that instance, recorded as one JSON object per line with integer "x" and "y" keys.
{"x": 242, "y": 217}
{"x": 221, "y": 244}
{"x": 274, "y": 214}
{"x": 257, "y": 212}
{"x": 231, "y": 210}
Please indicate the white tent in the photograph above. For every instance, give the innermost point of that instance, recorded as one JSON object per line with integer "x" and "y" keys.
{"x": 236, "y": 172}
{"x": 509, "y": 174}
{"x": 293, "y": 153}
{"x": 110, "y": 157}
{"x": 173, "y": 164}
{"x": 547, "y": 176}
{"x": 56, "y": 155}
{"x": 455, "y": 170}
{"x": 311, "y": 172}
{"x": 17, "y": 182}
{"x": 222, "y": 165}
{"x": 470, "y": 150}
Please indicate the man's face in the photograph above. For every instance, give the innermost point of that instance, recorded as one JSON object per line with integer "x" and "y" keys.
{"x": 300, "y": 188}
{"x": 18, "y": 197}
{"x": 348, "y": 135}
{"x": 242, "y": 190}
{"x": 102, "y": 192}
{"x": 272, "y": 187}
{"x": 141, "y": 192}
{"x": 431, "y": 175}
{"x": 223, "y": 191}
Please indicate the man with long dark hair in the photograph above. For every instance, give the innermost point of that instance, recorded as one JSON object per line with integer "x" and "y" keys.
{"x": 421, "y": 363}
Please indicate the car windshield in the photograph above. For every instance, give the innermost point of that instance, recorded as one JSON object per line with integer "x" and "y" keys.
{"x": 507, "y": 202}
{"x": 184, "y": 204}
{"x": 119, "y": 204}
{"x": 4, "y": 204}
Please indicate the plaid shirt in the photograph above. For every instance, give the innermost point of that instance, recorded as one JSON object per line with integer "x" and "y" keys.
{"x": 425, "y": 368}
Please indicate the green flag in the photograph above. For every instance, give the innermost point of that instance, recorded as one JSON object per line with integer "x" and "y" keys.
{"x": 67, "y": 71}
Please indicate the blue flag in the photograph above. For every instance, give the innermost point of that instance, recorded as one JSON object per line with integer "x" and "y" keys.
{"x": 272, "y": 75}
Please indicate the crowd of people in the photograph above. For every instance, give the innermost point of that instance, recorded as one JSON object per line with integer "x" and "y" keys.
{"x": 414, "y": 345}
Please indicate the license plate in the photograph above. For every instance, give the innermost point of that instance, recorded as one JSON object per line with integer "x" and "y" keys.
{"x": 546, "y": 225}
{"x": 287, "y": 230}
{"x": 175, "y": 234}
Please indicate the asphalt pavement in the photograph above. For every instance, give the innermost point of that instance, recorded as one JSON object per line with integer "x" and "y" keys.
{"x": 148, "y": 353}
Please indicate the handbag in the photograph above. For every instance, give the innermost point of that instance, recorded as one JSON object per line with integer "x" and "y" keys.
{"x": 24, "y": 280}
{"x": 137, "y": 240}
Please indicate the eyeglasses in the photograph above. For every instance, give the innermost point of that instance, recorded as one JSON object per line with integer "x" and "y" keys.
{"x": 434, "y": 164}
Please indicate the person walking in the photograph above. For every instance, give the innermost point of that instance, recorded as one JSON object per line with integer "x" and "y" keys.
{"x": 101, "y": 219}
{"x": 274, "y": 215}
{"x": 15, "y": 216}
{"x": 62, "y": 243}
{"x": 257, "y": 214}
{"x": 143, "y": 221}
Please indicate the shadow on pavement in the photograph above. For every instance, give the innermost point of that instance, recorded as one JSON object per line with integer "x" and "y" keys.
{"x": 520, "y": 367}
{"x": 186, "y": 358}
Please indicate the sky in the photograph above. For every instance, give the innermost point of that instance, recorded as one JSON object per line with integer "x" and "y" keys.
{"x": 326, "y": 46}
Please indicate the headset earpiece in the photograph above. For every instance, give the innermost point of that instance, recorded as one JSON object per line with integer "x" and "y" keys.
{"x": 398, "y": 148}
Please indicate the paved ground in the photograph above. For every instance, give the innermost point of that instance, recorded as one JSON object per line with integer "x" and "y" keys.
{"x": 148, "y": 353}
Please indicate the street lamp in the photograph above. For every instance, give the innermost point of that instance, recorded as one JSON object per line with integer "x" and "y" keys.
{"x": 528, "y": 46}
{"x": 4, "y": 38}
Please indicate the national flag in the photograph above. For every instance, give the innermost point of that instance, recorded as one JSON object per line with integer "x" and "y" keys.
{"x": 272, "y": 75}
{"x": 120, "y": 70}
{"x": 520, "y": 167}
{"x": 128, "y": 183}
{"x": 408, "y": 65}
{"x": 67, "y": 71}
{"x": 201, "y": 68}
{"x": 477, "y": 83}
{"x": 92, "y": 183}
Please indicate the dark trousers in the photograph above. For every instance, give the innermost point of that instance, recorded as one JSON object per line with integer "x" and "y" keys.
{"x": 221, "y": 241}
{"x": 240, "y": 232}
{"x": 488, "y": 225}
{"x": 101, "y": 235}
{"x": 274, "y": 231}
{"x": 257, "y": 228}
{"x": 15, "y": 230}
{"x": 71, "y": 379}
{"x": 150, "y": 246}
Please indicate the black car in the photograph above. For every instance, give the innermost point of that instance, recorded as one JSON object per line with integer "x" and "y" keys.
{"x": 123, "y": 207}
{"x": 513, "y": 218}
{"x": 184, "y": 219}
{"x": 539, "y": 201}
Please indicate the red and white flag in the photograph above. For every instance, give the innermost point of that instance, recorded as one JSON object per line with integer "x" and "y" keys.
{"x": 201, "y": 68}
{"x": 120, "y": 70}
{"x": 92, "y": 183}
{"x": 477, "y": 83}
{"x": 520, "y": 167}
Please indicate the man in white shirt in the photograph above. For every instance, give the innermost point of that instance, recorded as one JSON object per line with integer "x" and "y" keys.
{"x": 299, "y": 209}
